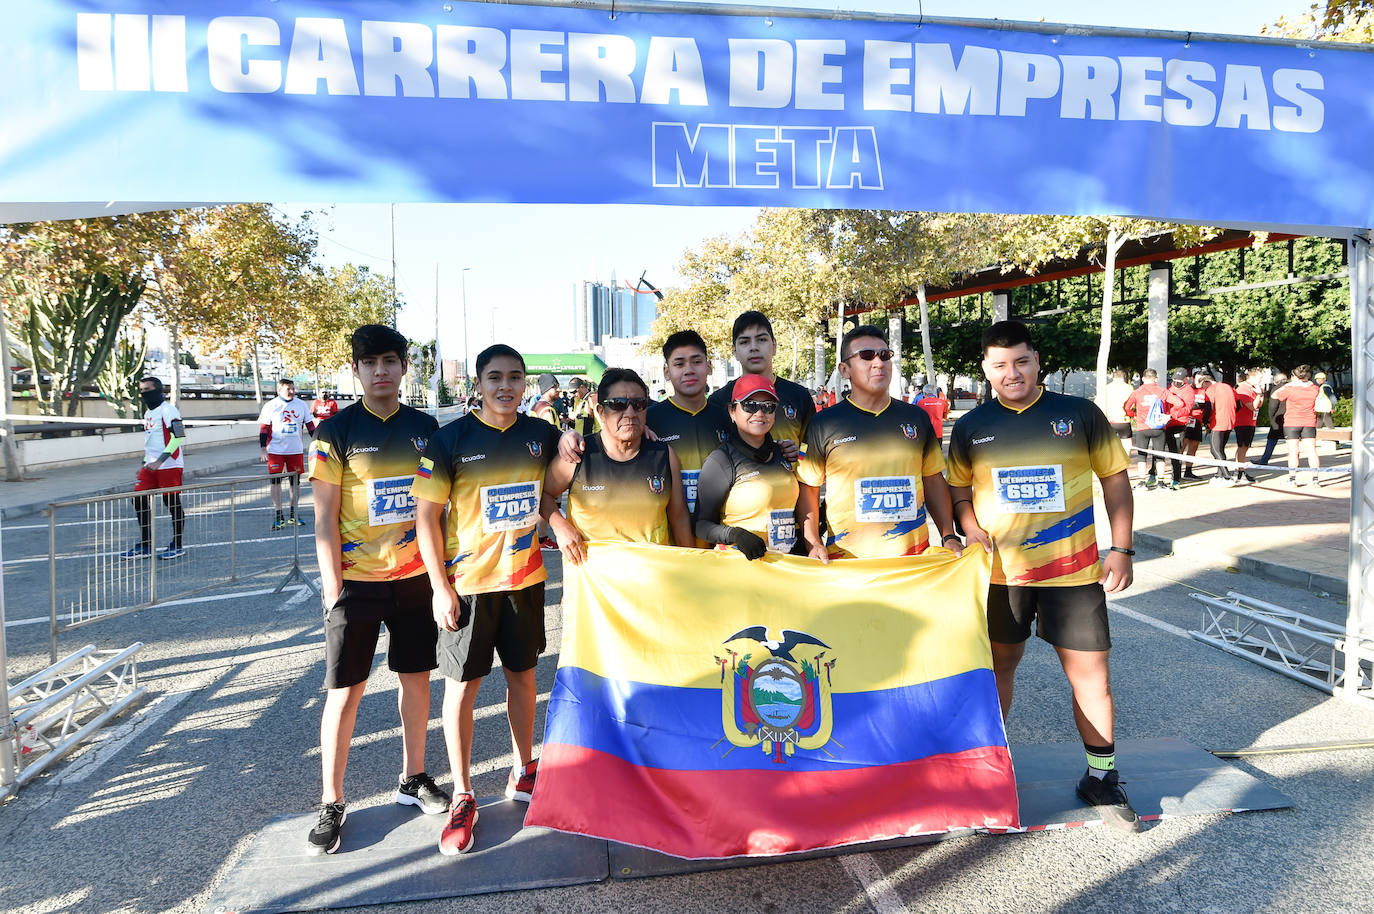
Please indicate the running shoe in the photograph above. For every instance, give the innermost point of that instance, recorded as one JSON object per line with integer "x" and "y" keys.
{"x": 172, "y": 551}
{"x": 294, "y": 521}
{"x": 548, "y": 542}
{"x": 458, "y": 835}
{"x": 1141, "y": 487}
{"x": 1151, "y": 482}
{"x": 420, "y": 790}
{"x": 519, "y": 787}
{"x": 1173, "y": 487}
{"x": 138, "y": 552}
{"x": 324, "y": 837}
{"x": 279, "y": 523}
{"x": 1106, "y": 796}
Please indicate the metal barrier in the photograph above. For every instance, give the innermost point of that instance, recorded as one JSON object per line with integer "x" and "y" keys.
{"x": 1310, "y": 650}
{"x": 94, "y": 573}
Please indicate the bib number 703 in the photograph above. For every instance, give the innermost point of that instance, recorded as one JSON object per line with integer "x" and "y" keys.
{"x": 394, "y": 501}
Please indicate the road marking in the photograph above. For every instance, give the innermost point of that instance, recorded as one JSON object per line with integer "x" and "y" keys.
{"x": 868, "y": 874}
{"x": 1151, "y": 621}
{"x": 300, "y": 588}
{"x": 88, "y": 523}
{"x": 283, "y": 538}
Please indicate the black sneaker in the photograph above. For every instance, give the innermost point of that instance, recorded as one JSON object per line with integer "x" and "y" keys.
{"x": 324, "y": 837}
{"x": 279, "y": 523}
{"x": 1107, "y": 797}
{"x": 420, "y": 790}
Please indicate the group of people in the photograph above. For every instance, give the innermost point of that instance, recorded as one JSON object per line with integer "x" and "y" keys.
{"x": 1175, "y": 420}
{"x": 432, "y": 531}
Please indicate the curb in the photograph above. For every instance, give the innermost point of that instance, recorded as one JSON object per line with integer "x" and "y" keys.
{"x": 1321, "y": 584}
{"x": 13, "y": 512}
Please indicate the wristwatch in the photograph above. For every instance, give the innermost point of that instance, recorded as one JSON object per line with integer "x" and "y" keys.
{"x": 1123, "y": 550}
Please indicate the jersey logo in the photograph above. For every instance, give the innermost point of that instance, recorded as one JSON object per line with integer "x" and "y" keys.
{"x": 1062, "y": 428}
{"x": 721, "y": 436}
{"x": 909, "y": 430}
{"x": 779, "y": 704}
{"x": 419, "y": 444}
{"x": 535, "y": 448}
{"x": 656, "y": 484}
{"x": 789, "y": 411}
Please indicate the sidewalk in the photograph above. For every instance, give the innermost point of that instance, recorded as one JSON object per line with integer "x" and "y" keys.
{"x": 1297, "y": 536}
{"x": 33, "y": 495}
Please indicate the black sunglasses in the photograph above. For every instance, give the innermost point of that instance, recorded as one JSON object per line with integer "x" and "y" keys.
{"x": 767, "y": 407}
{"x": 869, "y": 355}
{"x": 620, "y": 404}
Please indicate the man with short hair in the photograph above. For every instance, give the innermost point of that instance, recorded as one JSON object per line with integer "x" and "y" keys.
{"x": 1198, "y": 416}
{"x": 1152, "y": 407}
{"x": 549, "y": 406}
{"x": 755, "y": 347}
{"x": 686, "y": 421}
{"x": 583, "y": 416}
{"x": 1020, "y": 470}
{"x": 362, "y": 466}
{"x": 1277, "y": 409}
{"x": 486, "y": 570}
{"x": 279, "y": 435}
{"x": 163, "y": 461}
{"x": 323, "y": 406}
{"x": 1114, "y": 398}
{"x": 880, "y": 463}
{"x": 1221, "y": 403}
{"x": 1249, "y": 396}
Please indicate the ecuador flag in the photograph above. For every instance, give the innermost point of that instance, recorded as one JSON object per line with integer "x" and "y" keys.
{"x": 707, "y": 706}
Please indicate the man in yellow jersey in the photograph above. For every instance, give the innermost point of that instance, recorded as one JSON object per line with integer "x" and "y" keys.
{"x": 1021, "y": 466}
{"x": 880, "y": 462}
{"x": 549, "y": 406}
{"x": 362, "y": 465}
{"x": 685, "y": 421}
{"x": 755, "y": 346}
{"x": 485, "y": 565}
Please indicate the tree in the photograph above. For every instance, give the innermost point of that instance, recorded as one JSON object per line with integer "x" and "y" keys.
{"x": 1332, "y": 20}
{"x": 333, "y": 304}
{"x": 118, "y": 378}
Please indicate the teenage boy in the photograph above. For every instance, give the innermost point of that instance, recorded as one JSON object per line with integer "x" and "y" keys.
{"x": 487, "y": 571}
{"x": 279, "y": 436}
{"x": 755, "y": 347}
{"x": 685, "y": 421}
{"x": 362, "y": 466}
{"x": 1021, "y": 468}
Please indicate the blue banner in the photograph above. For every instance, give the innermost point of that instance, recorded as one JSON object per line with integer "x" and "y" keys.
{"x": 408, "y": 101}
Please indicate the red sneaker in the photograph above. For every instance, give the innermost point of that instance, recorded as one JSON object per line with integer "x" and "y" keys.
{"x": 548, "y": 542}
{"x": 459, "y": 833}
{"x": 520, "y": 788}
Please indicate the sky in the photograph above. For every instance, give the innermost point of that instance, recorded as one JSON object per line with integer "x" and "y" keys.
{"x": 516, "y": 266}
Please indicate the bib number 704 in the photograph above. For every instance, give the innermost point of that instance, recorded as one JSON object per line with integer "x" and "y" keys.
{"x": 515, "y": 507}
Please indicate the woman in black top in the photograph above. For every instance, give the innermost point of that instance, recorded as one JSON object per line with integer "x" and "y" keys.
{"x": 747, "y": 493}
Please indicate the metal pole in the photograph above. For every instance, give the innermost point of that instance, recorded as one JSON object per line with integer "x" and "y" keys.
{"x": 233, "y": 535}
{"x": 8, "y": 743}
{"x": 52, "y": 584}
{"x": 1360, "y": 617}
{"x": 463, "y": 275}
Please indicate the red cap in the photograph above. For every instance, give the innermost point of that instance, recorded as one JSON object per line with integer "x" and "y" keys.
{"x": 751, "y": 384}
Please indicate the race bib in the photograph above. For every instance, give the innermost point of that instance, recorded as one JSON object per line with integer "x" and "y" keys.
{"x": 513, "y": 506}
{"x": 389, "y": 501}
{"x": 290, "y": 428}
{"x": 884, "y": 499}
{"x": 689, "y": 488}
{"x": 1029, "y": 490}
{"x": 782, "y": 531}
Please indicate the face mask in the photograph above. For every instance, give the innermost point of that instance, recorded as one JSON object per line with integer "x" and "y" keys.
{"x": 151, "y": 398}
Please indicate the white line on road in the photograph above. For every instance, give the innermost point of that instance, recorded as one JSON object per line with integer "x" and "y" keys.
{"x": 187, "y": 601}
{"x": 1150, "y": 620}
{"x": 282, "y": 538}
{"x": 88, "y": 523}
{"x": 868, "y": 874}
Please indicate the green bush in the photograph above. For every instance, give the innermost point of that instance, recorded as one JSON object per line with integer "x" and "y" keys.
{"x": 1344, "y": 413}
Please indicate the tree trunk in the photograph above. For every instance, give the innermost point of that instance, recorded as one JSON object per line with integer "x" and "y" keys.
{"x": 925, "y": 334}
{"x": 14, "y": 471}
{"x": 176, "y": 362}
{"x": 1104, "y": 346}
{"x": 257, "y": 376}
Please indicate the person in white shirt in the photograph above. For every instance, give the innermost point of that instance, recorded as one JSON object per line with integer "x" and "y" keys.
{"x": 163, "y": 435}
{"x": 283, "y": 449}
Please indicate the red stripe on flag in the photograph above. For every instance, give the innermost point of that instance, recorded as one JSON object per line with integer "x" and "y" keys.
{"x": 711, "y": 814}
{"x": 1060, "y": 567}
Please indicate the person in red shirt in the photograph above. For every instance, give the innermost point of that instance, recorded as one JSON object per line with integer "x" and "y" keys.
{"x": 937, "y": 407}
{"x": 1197, "y": 416}
{"x": 1140, "y": 406}
{"x": 1221, "y": 401}
{"x": 323, "y": 406}
{"x": 1249, "y": 396}
{"x": 1300, "y": 420}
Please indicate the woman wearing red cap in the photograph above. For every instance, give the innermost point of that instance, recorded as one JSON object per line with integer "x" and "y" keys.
{"x": 747, "y": 493}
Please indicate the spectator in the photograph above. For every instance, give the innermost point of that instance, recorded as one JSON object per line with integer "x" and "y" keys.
{"x": 1113, "y": 404}
{"x": 1153, "y": 408}
{"x": 1326, "y": 401}
{"x": 1300, "y": 422}
{"x": 323, "y": 406}
{"x": 1276, "y": 411}
{"x": 1249, "y": 396}
{"x": 1221, "y": 402}
{"x": 1180, "y": 412}
{"x": 937, "y": 407}
{"x": 1197, "y": 417}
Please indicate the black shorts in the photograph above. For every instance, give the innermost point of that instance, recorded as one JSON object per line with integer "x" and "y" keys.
{"x": 1122, "y": 429}
{"x": 509, "y": 622}
{"x": 1299, "y": 431}
{"x": 1152, "y": 438}
{"x": 1245, "y": 435}
{"x": 1193, "y": 432}
{"x": 354, "y": 623}
{"x": 1069, "y": 617}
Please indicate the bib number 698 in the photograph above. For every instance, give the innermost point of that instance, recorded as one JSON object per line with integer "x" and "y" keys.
{"x": 1026, "y": 490}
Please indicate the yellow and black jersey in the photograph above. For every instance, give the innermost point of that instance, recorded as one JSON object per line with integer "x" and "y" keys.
{"x": 491, "y": 479}
{"x": 622, "y": 501}
{"x": 373, "y": 459}
{"x": 692, "y": 436}
{"x": 871, "y": 465}
{"x": 1031, "y": 471}
{"x": 795, "y": 408}
{"x": 584, "y": 420}
{"x": 751, "y": 488}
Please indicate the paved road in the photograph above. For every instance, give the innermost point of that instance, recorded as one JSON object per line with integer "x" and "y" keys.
{"x": 152, "y": 817}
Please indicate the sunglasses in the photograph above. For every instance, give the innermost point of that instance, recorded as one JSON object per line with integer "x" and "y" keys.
{"x": 869, "y": 355}
{"x": 620, "y": 404}
{"x": 767, "y": 407}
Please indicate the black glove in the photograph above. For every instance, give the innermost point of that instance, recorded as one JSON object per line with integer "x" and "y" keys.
{"x": 750, "y": 544}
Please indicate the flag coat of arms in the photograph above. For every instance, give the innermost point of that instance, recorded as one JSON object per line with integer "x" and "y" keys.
{"x": 706, "y": 706}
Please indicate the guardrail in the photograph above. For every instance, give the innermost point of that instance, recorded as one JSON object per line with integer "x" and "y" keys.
{"x": 95, "y": 572}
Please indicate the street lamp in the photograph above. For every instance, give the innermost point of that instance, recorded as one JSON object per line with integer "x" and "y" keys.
{"x": 463, "y": 276}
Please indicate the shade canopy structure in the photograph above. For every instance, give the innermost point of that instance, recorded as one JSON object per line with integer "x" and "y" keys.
{"x": 689, "y": 104}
